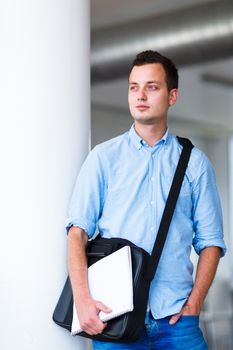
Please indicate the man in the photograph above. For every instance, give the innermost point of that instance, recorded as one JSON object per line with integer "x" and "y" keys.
{"x": 123, "y": 186}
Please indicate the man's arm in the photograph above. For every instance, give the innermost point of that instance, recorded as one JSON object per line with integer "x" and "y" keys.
{"x": 206, "y": 269}
{"x": 87, "y": 308}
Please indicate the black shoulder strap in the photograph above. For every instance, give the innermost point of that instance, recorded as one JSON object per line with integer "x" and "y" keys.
{"x": 170, "y": 206}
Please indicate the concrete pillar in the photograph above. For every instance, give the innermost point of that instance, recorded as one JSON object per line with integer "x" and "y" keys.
{"x": 44, "y": 137}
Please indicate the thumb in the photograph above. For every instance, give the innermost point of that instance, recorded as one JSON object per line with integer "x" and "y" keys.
{"x": 102, "y": 307}
{"x": 174, "y": 318}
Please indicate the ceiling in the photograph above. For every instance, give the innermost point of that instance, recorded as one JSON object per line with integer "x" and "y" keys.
{"x": 109, "y": 12}
{"x": 201, "y": 101}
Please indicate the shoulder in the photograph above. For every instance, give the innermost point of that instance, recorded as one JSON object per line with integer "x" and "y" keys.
{"x": 198, "y": 164}
{"x": 102, "y": 155}
{"x": 198, "y": 158}
{"x": 199, "y": 161}
{"x": 111, "y": 146}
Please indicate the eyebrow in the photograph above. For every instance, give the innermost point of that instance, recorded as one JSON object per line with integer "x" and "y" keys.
{"x": 148, "y": 82}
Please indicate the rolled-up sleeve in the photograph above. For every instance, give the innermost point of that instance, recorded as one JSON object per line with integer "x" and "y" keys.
{"x": 88, "y": 195}
{"x": 207, "y": 212}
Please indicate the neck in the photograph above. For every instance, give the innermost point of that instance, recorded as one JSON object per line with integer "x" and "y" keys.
{"x": 150, "y": 133}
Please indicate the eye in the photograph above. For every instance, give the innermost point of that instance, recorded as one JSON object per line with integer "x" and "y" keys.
{"x": 152, "y": 87}
{"x": 133, "y": 88}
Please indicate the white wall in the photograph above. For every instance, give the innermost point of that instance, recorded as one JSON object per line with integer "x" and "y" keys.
{"x": 44, "y": 137}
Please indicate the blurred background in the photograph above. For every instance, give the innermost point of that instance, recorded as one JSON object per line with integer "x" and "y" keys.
{"x": 198, "y": 36}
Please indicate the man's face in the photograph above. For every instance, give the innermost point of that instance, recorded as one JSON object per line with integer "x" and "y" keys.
{"x": 148, "y": 95}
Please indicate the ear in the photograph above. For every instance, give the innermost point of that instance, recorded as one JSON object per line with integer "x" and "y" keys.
{"x": 173, "y": 95}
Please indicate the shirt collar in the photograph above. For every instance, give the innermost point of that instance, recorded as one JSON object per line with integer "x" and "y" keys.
{"x": 139, "y": 142}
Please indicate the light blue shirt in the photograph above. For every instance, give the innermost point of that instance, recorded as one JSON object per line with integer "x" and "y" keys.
{"x": 123, "y": 187}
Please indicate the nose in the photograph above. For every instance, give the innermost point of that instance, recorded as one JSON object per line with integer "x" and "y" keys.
{"x": 141, "y": 95}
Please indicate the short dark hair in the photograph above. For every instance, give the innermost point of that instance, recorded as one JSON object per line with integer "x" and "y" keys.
{"x": 149, "y": 56}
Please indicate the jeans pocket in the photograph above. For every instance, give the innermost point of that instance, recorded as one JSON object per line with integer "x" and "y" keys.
{"x": 186, "y": 326}
{"x": 189, "y": 319}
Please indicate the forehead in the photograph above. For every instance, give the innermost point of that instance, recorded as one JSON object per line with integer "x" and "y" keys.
{"x": 146, "y": 73}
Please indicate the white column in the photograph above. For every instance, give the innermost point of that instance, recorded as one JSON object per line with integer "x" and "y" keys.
{"x": 44, "y": 137}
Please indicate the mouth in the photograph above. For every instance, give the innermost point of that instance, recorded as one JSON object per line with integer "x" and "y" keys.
{"x": 142, "y": 107}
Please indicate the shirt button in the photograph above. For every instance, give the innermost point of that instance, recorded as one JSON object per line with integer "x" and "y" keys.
{"x": 152, "y": 228}
{"x": 152, "y": 178}
{"x": 152, "y": 202}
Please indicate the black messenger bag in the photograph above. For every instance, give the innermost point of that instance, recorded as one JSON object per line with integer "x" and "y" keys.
{"x": 128, "y": 327}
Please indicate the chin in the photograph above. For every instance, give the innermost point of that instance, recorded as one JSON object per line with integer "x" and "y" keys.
{"x": 145, "y": 120}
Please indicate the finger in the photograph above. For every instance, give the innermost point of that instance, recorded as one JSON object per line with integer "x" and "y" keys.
{"x": 98, "y": 329}
{"x": 99, "y": 326}
{"x": 93, "y": 328}
{"x": 174, "y": 318}
{"x": 103, "y": 307}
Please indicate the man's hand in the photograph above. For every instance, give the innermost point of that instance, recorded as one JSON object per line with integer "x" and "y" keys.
{"x": 206, "y": 269}
{"x": 88, "y": 311}
{"x": 87, "y": 308}
{"x": 187, "y": 310}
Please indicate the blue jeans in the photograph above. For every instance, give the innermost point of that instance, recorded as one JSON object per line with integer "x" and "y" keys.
{"x": 160, "y": 335}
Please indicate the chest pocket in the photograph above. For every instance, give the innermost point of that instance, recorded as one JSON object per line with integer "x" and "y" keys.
{"x": 186, "y": 186}
{"x": 184, "y": 202}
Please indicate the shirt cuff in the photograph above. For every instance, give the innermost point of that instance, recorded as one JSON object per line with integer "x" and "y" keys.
{"x": 200, "y": 245}
{"x": 89, "y": 229}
